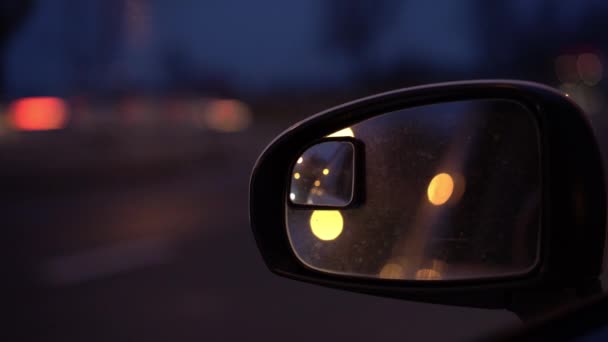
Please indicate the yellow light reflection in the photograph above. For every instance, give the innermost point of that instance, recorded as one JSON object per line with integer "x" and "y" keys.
{"x": 427, "y": 274}
{"x": 440, "y": 189}
{"x": 391, "y": 271}
{"x": 296, "y": 175}
{"x": 326, "y": 225}
{"x": 317, "y": 183}
{"x": 300, "y": 160}
{"x": 346, "y": 132}
{"x": 326, "y": 171}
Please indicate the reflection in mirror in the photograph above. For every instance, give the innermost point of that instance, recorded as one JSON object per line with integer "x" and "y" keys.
{"x": 452, "y": 191}
{"x": 323, "y": 175}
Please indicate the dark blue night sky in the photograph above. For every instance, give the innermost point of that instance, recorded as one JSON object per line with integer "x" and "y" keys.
{"x": 68, "y": 47}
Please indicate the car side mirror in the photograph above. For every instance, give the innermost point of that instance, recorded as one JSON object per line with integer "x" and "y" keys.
{"x": 464, "y": 193}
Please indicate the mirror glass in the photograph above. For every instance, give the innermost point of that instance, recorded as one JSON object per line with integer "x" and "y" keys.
{"x": 323, "y": 175}
{"x": 450, "y": 191}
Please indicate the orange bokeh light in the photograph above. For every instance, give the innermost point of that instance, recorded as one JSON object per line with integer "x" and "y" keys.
{"x": 38, "y": 113}
{"x": 228, "y": 116}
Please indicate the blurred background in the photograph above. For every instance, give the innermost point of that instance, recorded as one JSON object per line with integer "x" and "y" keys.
{"x": 128, "y": 130}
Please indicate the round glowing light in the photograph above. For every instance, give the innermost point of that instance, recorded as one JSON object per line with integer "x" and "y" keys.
{"x": 427, "y": 274}
{"x": 440, "y": 189}
{"x": 391, "y": 271}
{"x": 346, "y": 132}
{"x": 326, "y": 171}
{"x": 300, "y": 160}
{"x": 38, "y": 113}
{"x": 296, "y": 175}
{"x": 589, "y": 68}
{"x": 566, "y": 69}
{"x": 292, "y": 196}
{"x": 326, "y": 225}
{"x": 317, "y": 183}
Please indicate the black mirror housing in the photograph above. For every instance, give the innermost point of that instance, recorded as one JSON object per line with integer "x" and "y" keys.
{"x": 573, "y": 199}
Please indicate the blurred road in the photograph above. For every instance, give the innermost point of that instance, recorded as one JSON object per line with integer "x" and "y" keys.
{"x": 112, "y": 255}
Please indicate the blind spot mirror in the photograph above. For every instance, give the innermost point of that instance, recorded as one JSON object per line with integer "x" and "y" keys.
{"x": 324, "y": 175}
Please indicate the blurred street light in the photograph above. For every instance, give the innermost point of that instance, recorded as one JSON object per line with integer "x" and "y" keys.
{"x": 38, "y": 113}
